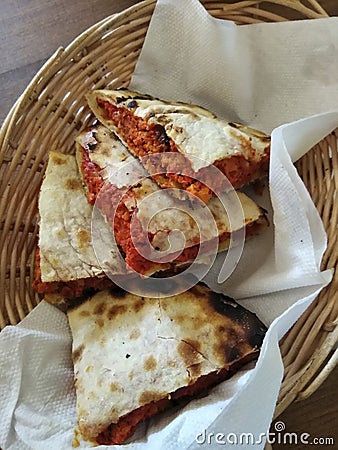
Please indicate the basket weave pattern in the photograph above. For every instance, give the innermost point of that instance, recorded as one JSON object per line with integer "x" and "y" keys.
{"x": 53, "y": 109}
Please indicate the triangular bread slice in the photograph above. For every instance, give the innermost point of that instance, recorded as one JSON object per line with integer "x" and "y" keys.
{"x": 65, "y": 260}
{"x": 134, "y": 356}
{"x": 196, "y": 139}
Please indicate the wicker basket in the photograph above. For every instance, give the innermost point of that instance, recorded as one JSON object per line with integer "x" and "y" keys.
{"x": 52, "y": 110}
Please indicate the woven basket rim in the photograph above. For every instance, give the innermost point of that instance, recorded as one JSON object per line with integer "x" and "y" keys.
{"x": 304, "y": 381}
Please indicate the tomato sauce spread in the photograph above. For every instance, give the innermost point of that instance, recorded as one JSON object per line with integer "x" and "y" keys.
{"x": 92, "y": 177}
{"x": 111, "y": 203}
{"x": 67, "y": 289}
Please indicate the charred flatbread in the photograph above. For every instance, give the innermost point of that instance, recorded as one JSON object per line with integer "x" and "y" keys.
{"x": 194, "y": 138}
{"x": 65, "y": 260}
{"x": 134, "y": 356}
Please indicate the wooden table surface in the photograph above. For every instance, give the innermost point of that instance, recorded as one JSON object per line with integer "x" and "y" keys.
{"x": 31, "y": 31}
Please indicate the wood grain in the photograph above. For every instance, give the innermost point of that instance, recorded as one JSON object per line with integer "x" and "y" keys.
{"x": 317, "y": 415}
{"x": 31, "y": 31}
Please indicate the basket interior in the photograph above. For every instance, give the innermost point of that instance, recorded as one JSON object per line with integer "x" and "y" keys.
{"x": 52, "y": 111}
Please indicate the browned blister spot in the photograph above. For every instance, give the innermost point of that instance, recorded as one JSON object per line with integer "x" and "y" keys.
{"x": 138, "y": 305}
{"x": 195, "y": 370}
{"x": 84, "y": 313}
{"x": 200, "y": 291}
{"x": 61, "y": 233}
{"x": 189, "y": 351}
{"x": 228, "y": 332}
{"x": 241, "y": 325}
{"x": 131, "y": 375}
{"x": 135, "y": 334}
{"x": 93, "y": 395}
{"x": 83, "y": 239}
{"x": 221, "y": 329}
{"x": 198, "y": 322}
{"x": 150, "y": 363}
{"x": 177, "y": 129}
{"x": 100, "y": 322}
{"x": 77, "y": 353}
{"x": 73, "y": 184}
{"x": 104, "y": 140}
{"x": 229, "y": 353}
{"x": 180, "y": 319}
{"x": 100, "y": 308}
{"x": 114, "y": 387}
{"x": 115, "y": 310}
{"x": 232, "y": 347}
{"x": 58, "y": 160}
{"x": 150, "y": 396}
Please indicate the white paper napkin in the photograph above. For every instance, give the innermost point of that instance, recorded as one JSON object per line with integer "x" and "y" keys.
{"x": 263, "y": 75}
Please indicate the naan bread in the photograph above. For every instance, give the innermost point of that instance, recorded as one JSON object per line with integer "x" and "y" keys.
{"x": 134, "y": 355}
{"x": 195, "y": 138}
{"x": 66, "y": 262}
